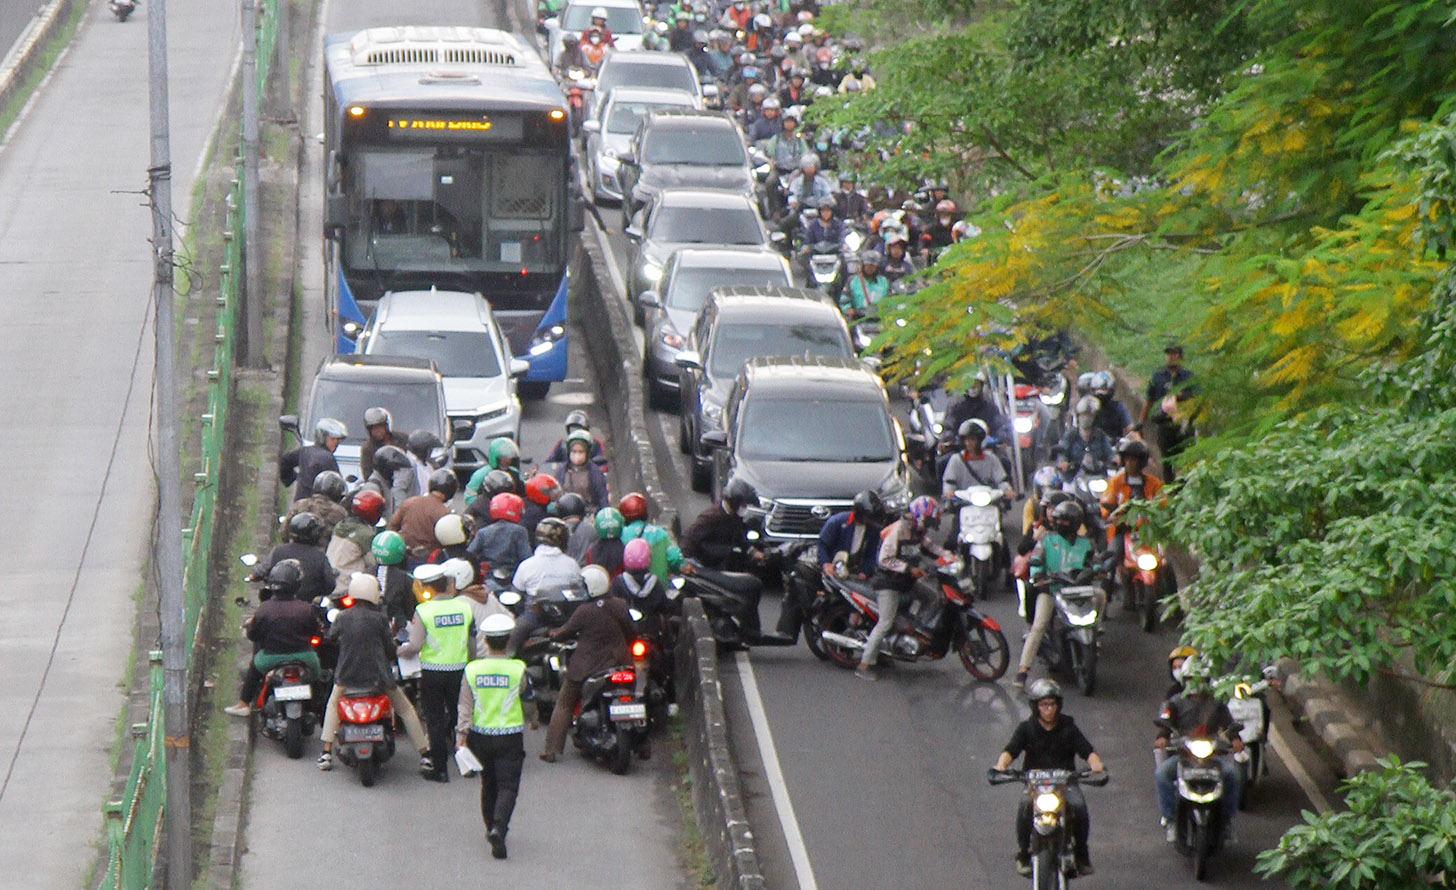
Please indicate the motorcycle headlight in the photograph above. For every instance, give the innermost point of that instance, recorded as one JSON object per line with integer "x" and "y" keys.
{"x": 1097, "y": 486}
{"x": 1047, "y": 802}
{"x": 1147, "y": 562}
{"x": 939, "y": 428}
{"x": 853, "y": 240}
{"x": 652, "y": 271}
{"x": 575, "y": 73}
{"x": 1200, "y": 748}
{"x": 1052, "y": 399}
{"x": 981, "y": 498}
{"x": 1025, "y": 424}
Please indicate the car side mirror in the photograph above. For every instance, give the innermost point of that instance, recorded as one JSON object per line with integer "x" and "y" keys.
{"x": 714, "y": 439}
{"x": 688, "y": 360}
{"x": 632, "y": 232}
{"x": 873, "y": 362}
{"x": 461, "y": 429}
{"x": 289, "y": 423}
{"x": 649, "y": 300}
{"x": 777, "y": 237}
{"x": 519, "y": 367}
{"x": 591, "y": 126}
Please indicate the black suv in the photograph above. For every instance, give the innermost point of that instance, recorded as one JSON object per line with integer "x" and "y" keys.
{"x": 684, "y": 149}
{"x": 808, "y": 434}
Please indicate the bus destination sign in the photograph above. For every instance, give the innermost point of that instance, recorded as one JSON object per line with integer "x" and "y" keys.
{"x": 446, "y": 126}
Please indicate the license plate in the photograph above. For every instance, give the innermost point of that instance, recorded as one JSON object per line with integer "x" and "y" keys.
{"x": 628, "y": 712}
{"x": 292, "y": 693}
{"x": 373, "y": 732}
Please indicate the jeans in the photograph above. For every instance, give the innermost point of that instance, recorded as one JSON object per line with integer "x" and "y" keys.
{"x": 888, "y": 601}
{"x": 501, "y": 758}
{"x": 439, "y": 699}
{"x": 1166, "y": 779}
{"x": 402, "y": 709}
{"x": 1076, "y": 812}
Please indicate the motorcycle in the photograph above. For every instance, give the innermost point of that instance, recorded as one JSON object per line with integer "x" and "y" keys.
{"x": 844, "y": 625}
{"x": 804, "y": 586}
{"x": 1198, "y": 816}
{"x": 612, "y": 717}
{"x": 1053, "y": 859}
{"x": 824, "y": 267}
{"x": 579, "y": 82}
{"x": 1032, "y": 424}
{"x": 980, "y": 539}
{"x": 1069, "y": 645}
{"x": 546, "y": 660}
{"x": 123, "y": 9}
{"x": 285, "y": 701}
{"x": 1146, "y": 578}
{"x": 1250, "y": 707}
{"x": 927, "y": 425}
{"x": 365, "y": 739}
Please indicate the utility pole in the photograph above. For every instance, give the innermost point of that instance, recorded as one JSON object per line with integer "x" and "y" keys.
{"x": 252, "y": 252}
{"x": 177, "y": 827}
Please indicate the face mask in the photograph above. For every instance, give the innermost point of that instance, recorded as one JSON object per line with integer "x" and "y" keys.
{"x": 595, "y": 39}
{"x": 945, "y": 220}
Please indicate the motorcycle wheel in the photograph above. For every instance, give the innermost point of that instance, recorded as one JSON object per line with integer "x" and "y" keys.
{"x": 622, "y": 754}
{"x": 293, "y": 739}
{"x": 1085, "y": 668}
{"x": 1045, "y": 870}
{"x": 982, "y": 579}
{"x": 985, "y": 653}
{"x": 811, "y": 638}
{"x": 1251, "y": 772}
{"x": 1147, "y": 605}
{"x": 368, "y": 771}
{"x": 1202, "y": 843}
{"x": 836, "y": 619}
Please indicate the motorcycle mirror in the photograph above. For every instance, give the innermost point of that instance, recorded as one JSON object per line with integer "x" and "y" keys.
{"x": 636, "y": 615}
{"x": 240, "y": 601}
{"x": 248, "y": 559}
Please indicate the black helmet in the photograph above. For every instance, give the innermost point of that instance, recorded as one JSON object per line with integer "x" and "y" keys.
{"x": 285, "y": 578}
{"x": 1067, "y": 517}
{"x": 868, "y": 505}
{"x": 1051, "y": 499}
{"x": 1134, "y": 448}
{"x": 306, "y": 528}
{"x": 577, "y": 420}
{"x": 1043, "y": 688}
{"x": 377, "y": 417}
{"x": 330, "y": 485}
{"x": 571, "y": 504}
{"x": 390, "y": 460}
{"x": 738, "y": 493}
{"x": 975, "y": 428}
{"x": 496, "y": 482}
{"x": 421, "y": 442}
{"x": 444, "y": 481}
{"x": 552, "y": 532}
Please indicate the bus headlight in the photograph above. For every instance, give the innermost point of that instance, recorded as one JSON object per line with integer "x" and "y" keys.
{"x": 545, "y": 340}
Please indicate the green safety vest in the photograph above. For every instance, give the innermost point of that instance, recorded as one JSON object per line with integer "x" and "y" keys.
{"x": 447, "y": 632}
{"x": 496, "y": 684}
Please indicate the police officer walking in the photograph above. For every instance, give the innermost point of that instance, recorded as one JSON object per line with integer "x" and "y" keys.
{"x": 496, "y": 700}
{"x": 442, "y": 633}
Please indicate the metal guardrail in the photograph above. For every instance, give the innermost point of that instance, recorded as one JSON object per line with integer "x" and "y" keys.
{"x": 134, "y": 821}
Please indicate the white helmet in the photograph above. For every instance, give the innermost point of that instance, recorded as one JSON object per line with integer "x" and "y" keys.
{"x": 460, "y": 571}
{"x": 330, "y": 428}
{"x": 364, "y": 587}
{"x": 806, "y": 29}
{"x": 599, "y": 12}
{"x": 497, "y": 626}
{"x": 763, "y": 20}
{"x": 597, "y": 581}
{"x": 450, "y": 530}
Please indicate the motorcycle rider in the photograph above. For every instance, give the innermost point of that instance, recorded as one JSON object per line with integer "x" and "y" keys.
{"x": 602, "y": 628}
{"x": 769, "y": 123}
{"x": 305, "y": 534}
{"x": 549, "y": 566}
{"x": 1132, "y": 482}
{"x": 393, "y": 476}
{"x": 720, "y": 60}
{"x": 415, "y": 519}
{"x": 573, "y": 511}
{"x": 680, "y": 38}
{"x": 398, "y": 585}
{"x": 849, "y": 202}
{"x": 542, "y": 490}
{"x": 366, "y": 661}
{"x": 501, "y": 454}
{"x": 718, "y": 539}
{"x": 282, "y": 630}
{"x": 420, "y": 448}
{"x": 377, "y": 434}
{"x": 329, "y": 490}
{"x": 300, "y": 466}
{"x": 1195, "y": 712}
{"x": 598, "y": 27}
{"x": 453, "y": 533}
{"x": 739, "y": 98}
{"x": 896, "y": 575}
{"x": 1176, "y": 659}
{"x": 851, "y": 537}
{"x": 495, "y": 482}
{"x": 972, "y": 465}
{"x": 576, "y": 420}
{"x": 867, "y": 287}
{"x": 495, "y": 703}
{"x": 898, "y": 262}
{"x": 808, "y": 183}
{"x": 941, "y": 233}
{"x": 607, "y": 550}
{"x": 442, "y": 634}
{"x": 1112, "y": 416}
{"x": 348, "y": 551}
{"x": 1063, "y": 551}
{"x": 825, "y": 226}
{"x": 571, "y": 57}
{"x": 796, "y": 91}
{"x": 578, "y": 475}
{"x": 1167, "y": 388}
{"x": 633, "y": 507}
{"x": 978, "y": 403}
{"x": 1050, "y": 739}
{"x": 1084, "y": 445}
{"x": 503, "y": 543}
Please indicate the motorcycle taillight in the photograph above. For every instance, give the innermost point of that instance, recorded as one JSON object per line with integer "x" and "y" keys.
{"x": 292, "y": 674}
{"x": 366, "y": 709}
{"x": 623, "y": 677}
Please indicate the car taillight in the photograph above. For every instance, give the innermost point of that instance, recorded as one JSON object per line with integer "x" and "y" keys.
{"x": 623, "y": 677}
{"x": 639, "y": 649}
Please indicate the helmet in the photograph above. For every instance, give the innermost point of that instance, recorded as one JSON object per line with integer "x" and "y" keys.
{"x": 502, "y": 451}
{"x": 1179, "y": 652}
{"x": 497, "y": 628}
{"x": 1087, "y": 405}
{"x": 859, "y": 67}
{"x": 798, "y": 71}
{"x": 805, "y": 29}
{"x": 827, "y": 202}
{"x": 390, "y": 460}
{"x": 809, "y": 161}
{"x": 377, "y": 417}
{"x": 421, "y": 443}
{"x": 748, "y": 59}
{"x": 1045, "y": 478}
{"x": 1042, "y": 689}
{"x": 608, "y": 523}
{"x": 924, "y": 511}
{"x": 580, "y": 435}
{"x": 674, "y": 558}
{"x": 429, "y": 573}
{"x": 763, "y": 20}
{"x": 868, "y": 505}
{"x": 824, "y": 56}
{"x": 1194, "y": 674}
{"x": 772, "y": 104}
{"x": 1129, "y": 447}
{"x": 718, "y": 34}
{"x": 871, "y": 258}
{"x": 388, "y": 548}
{"x": 1102, "y": 383}
{"x": 494, "y": 483}
{"x": 597, "y": 581}
{"x": 507, "y": 506}
{"x": 541, "y": 487}
{"x": 945, "y": 205}
{"x": 1067, "y": 517}
{"x": 637, "y": 555}
{"x": 804, "y": 16}
{"x": 367, "y": 505}
{"x": 329, "y": 428}
{"x": 552, "y": 532}
{"x": 975, "y": 428}
{"x": 1050, "y": 500}
{"x": 1084, "y": 380}
{"x": 460, "y": 571}
{"x": 738, "y": 493}
{"x": 823, "y": 92}
{"x": 306, "y": 528}
{"x": 852, "y": 86}
{"x": 577, "y": 420}
{"x": 777, "y": 52}
{"x": 853, "y": 45}
{"x": 445, "y": 482}
{"x": 632, "y": 506}
{"x": 749, "y": 72}
{"x": 450, "y": 530}
{"x": 700, "y": 36}
{"x": 284, "y": 579}
{"x": 331, "y": 485}
{"x": 599, "y": 12}
{"x": 363, "y": 586}
{"x": 757, "y": 91}
{"x": 570, "y": 504}
{"x": 793, "y": 39}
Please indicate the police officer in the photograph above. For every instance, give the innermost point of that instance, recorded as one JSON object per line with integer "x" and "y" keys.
{"x": 442, "y": 633}
{"x": 495, "y": 702}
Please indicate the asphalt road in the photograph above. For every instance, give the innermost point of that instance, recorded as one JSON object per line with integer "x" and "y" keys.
{"x": 75, "y": 351}
{"x": 15, "y": 15}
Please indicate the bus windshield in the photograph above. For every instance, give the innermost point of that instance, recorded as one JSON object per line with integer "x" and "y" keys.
{"x": 620, "y": 19}
{"x": 455, "y": 209}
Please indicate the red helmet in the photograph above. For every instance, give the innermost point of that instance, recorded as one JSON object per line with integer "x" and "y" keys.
{"x": 540, "y": 488}
{"x": 507, "y": 506}
{"x": 368, "y": 504}
{"x": 633, "y": 507}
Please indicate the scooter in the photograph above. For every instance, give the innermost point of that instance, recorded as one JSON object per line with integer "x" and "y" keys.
{"x": 954, "y": 625}
{"x": 285, "y": 702}
{"x": 1147, "y": 578}
{"x": 579, "y": 82}
{"x": 927, "y": 425}
{"x": 980, "y": 539}
{"x": 1250, "y": 707}
{"x": 123, "y": 9}
{"x": 1069, "y": 645}
{"x": 612, "y": 718}
{"x": 1053, "y": 858}
{"x": 1198, "y": 816}
{"x": 365, "y": 739}
{"x": 824, "y": 267}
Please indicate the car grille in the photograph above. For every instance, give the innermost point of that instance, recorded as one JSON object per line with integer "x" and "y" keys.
{"x": 801, "y": 519}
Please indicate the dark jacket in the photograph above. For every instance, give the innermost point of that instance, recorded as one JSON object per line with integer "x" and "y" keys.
{"x": 283, "y": 626}
{"x": 366, "y": 451}
{"x": 601, "y": 628}
{"x": 607, "y": 553}
{"x": 398, "y": 597}
{"x": 531, "y": 516}
{"x": 318, "y": 575}
{"x": 588, "y": 481}
{"x": 837, "y": 536}
{"x": 983, "y": 409}
{"x": 713, "y": 537}
{"x": 302, "y": 465}
{"x": 366, "y": 648}
{"x": 501, "y": 545}
{"x": 1055, "y": 748}
{"x": 1198, "y": 716}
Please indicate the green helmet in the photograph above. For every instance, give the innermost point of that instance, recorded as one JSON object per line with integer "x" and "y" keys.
{"x": 388, "y": 548}
{"x": 502, "y": 449}
{"x": 656, "y": 534}
{"x": 674, "y": 558}
{"x": 580, "y": 435}
{"x": 608, "y": 523}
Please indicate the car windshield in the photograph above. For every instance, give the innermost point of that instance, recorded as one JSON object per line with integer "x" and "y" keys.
{"x": 696, "y": 145}
{"x": 456, "y": 353}
{"x": 664, "y": 77}
{"x": 412, "y": 406}
{"x": 700, "y": 225}
{"x": 689, "y": 288}
{"x": 805, "y": 429}
{"x": 625, "y": 116}
{"x": 620, "y": 19}
{"x": 734, "y": 344}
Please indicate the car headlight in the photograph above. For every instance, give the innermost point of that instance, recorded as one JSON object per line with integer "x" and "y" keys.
{"x": 652, "y": 271}
{"x": 1200, "y": 748}
{"x": 765, "y": 504}
{"x": 1047, "y": 802}
{"x": 1025, "y": 423}
{"x": 491, "y": 412}
{"x": 1147, "y": 561}
{"x": 1097, "y": 486}
{"x": 670, "y": 338}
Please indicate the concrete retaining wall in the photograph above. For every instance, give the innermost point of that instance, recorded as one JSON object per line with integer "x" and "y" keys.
{"x": 24, "y": 59}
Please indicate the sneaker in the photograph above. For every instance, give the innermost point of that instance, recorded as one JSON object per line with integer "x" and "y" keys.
{"x": 1023, "y": 864}
{"x": 1084, "y": 865}
{"x": 427, "y": 766}
{"x": 326, "y": 761}
{"x": 1170, "y": 830}
{"x": 1021, "y": 678}
{"x": 238, "y": 710}
{"x": 865, "y": 673}
{"x": 438, "y": 775}
{"x": 497, "y": 843}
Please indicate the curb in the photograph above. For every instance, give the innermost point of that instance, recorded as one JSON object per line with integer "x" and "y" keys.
{"x": 25, "y": 55}
{"x": 1355, "y": 746}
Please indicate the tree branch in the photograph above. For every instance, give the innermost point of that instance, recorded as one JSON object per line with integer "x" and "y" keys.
{"x": 1412, "y": 678}
{"x": 1004, "y": 155}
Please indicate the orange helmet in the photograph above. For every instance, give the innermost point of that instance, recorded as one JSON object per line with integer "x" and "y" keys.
{"x": 540, "y": 488}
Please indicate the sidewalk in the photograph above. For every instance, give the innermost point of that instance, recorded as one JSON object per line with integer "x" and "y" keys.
{"x": 76, "y": 355}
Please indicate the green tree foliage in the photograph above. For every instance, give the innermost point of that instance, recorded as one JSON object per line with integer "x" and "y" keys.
{"x": 1398, "y": 831}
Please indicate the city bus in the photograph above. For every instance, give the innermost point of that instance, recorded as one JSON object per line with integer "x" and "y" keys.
{"x": 447, "y": 163}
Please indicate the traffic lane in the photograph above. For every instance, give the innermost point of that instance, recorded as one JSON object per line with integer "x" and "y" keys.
{"x": 15, "y": 17}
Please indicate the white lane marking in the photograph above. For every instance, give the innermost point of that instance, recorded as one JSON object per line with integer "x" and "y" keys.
{"x": 1306, "y": 784}
{"x": 774, "y": 775}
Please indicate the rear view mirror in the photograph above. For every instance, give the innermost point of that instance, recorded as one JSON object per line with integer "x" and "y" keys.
{"x": 688, "y": 360}
{"x": 649, "y": 299}
{"x": 519, "y": 367}
{"x": 461, "y": 429}
{"x": 591, "y": 126}
{"x": 714, "y": 439}
{"x": 248, "y": 559}
{"x": 289, "y": 423}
